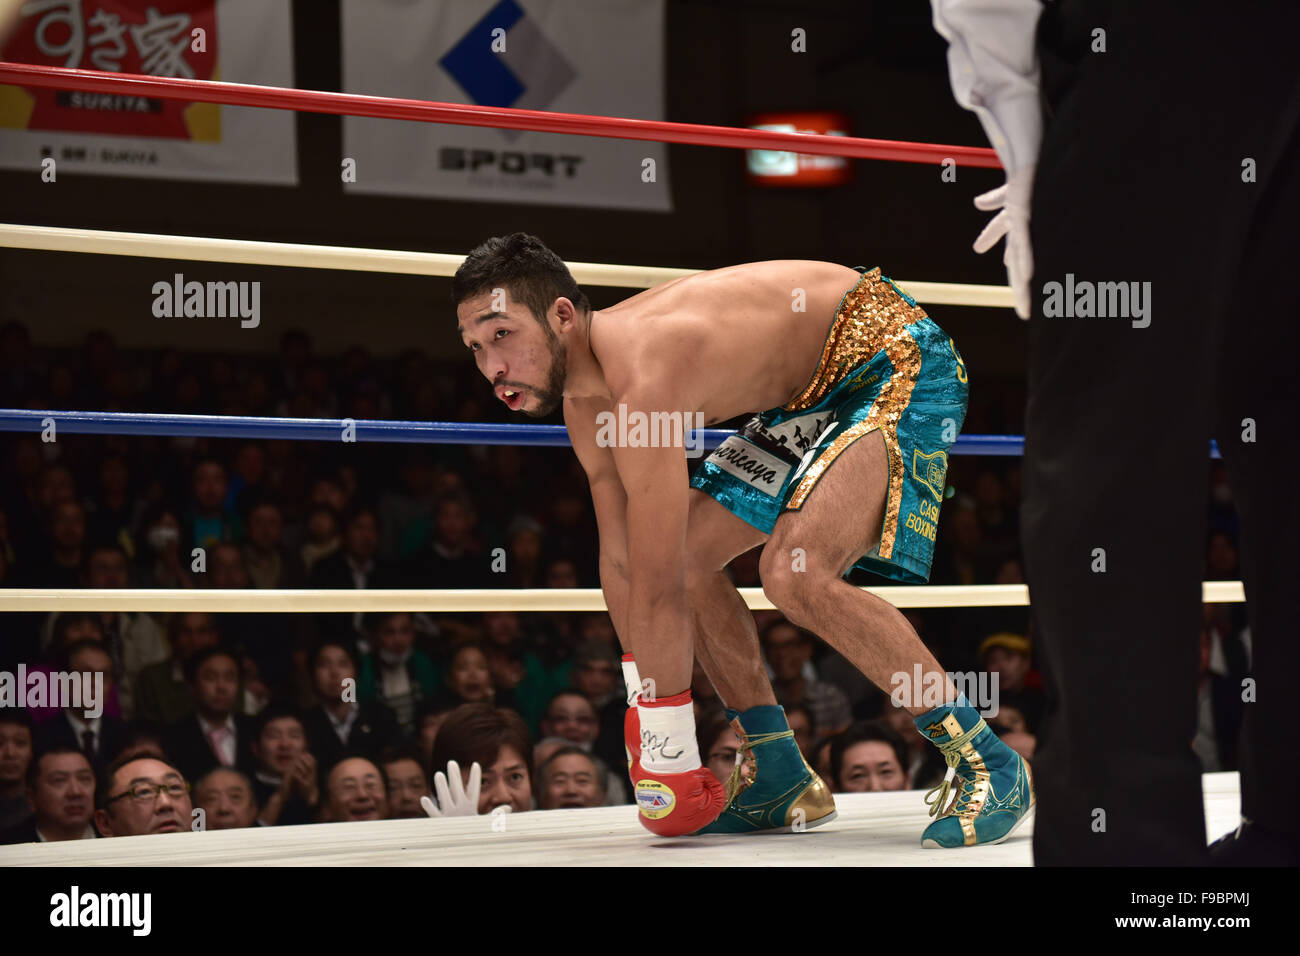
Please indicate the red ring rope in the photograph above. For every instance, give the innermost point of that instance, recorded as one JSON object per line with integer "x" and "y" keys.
{"x": 383, "y": 107}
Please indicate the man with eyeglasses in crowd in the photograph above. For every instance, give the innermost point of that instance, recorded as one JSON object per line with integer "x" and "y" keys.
{"x": 142, "y": 793}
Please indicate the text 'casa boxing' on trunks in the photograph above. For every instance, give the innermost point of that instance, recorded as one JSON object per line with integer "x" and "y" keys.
{"x": 885, "y": 366}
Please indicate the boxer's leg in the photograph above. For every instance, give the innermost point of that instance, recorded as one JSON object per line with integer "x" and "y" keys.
{"x": 783, "y": 792}
{"x": 839, "y": 523}
{"x": 726, "y": 639}
{"x": 989, "y": 790}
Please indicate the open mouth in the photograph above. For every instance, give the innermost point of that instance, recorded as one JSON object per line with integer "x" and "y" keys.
{"x": 513, "y": 398}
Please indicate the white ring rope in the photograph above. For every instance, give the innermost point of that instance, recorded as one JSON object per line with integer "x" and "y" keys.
{"x": 298, "y": 255}
{"x": 452, "y": 601}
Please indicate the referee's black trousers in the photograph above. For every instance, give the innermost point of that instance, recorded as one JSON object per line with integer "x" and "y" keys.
{"x": 1144, "y": 179}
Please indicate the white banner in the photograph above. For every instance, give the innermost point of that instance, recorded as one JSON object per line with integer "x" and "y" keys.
{"x": 598, "y": 57}
{"x": 51, "y": 132}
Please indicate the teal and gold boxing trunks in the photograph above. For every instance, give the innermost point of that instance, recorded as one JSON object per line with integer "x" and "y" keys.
{"x": 885, "y": 366}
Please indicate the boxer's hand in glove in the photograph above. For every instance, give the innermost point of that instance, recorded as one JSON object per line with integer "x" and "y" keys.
{"x": 454, "y": 798}
{"x": 1011, "y": 200}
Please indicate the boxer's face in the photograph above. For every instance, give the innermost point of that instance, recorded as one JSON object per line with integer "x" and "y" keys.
{"x": 523, "y": 358}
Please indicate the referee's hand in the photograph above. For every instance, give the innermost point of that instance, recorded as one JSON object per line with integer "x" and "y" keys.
{"x": 1011, "y": 200}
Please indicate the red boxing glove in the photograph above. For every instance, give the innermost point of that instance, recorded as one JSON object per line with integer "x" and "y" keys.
{"x": 675, "y": 804}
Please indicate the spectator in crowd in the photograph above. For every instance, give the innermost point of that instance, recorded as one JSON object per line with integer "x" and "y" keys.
{"x": 1009, "y": 656}
{"x": 1013, "y": 730}
{"x": 571, "y": 777}
{"x": 959, "y": 557}
{"x": 132, "y": 639}
{"x": 226, "y": 798}
{"x": 63, "y": 546}
{"x": 515, "y": 665}
{"x": 866, "y": 700}
{"x": 868, "y": 757}
{"x": 162, "y": 564}
{"x": 427, "y": 721}
{"x": 455, "y": 559}
{"x": 497, "y": 740}
{"x": 395, "y": 673}
{"x": 162, "y": 693}
{"x": 327, "y": 489}
{"x": 99, "y": 737}
{"x": 206, "y": 521}
{"x": 598, "y": 675}
{"x": 570, "y": 522}
{"x": 111, "y": 512}
{"x": 355, "y": 565}
{"x": 140, "y": 794}
{"x": 547, "y": 746}
{"x": 523, "y": 553}
{"x": 341, "y": 725}
{"x": 61, "y": 788}
{"x": 406, "y": 512}
{"x": 405, "y": 779}
{"x": 324, "y": 536}
{"x": 719, "y": 743}
{"x": 571, "y": 716}
{"x": 286, "y": 782}
{"x": 68, "y": 629}
{"x": 265, "y": 638}
{"x": 468, "y": 678}
{"x": 270, "y": 564}
{"x": 144, "y": 737}
{"x": 561, "y": 572}
{"x": 788, "y": 650}
{"x": 15, "y": 758}
{"x": 354, "y": 790}
{"x": 247, "y": 480}
{"x": 215, "y": 735}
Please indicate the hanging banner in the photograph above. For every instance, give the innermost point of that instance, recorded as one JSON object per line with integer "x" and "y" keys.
{"x": 598, "y": 57}
{"x": 243, "y": 41}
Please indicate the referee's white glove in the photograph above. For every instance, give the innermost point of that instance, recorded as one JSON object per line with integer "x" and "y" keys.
{"x": 1011, "y": 200}
{"x": 454, "y": 798}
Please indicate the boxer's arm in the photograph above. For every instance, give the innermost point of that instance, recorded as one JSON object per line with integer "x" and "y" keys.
{"x": 609, "y": 502}
{"x": 656, "y": 483}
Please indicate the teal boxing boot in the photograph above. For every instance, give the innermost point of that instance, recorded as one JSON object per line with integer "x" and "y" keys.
{"x": 990, "y": 785}
{"x": 782, "y": 794}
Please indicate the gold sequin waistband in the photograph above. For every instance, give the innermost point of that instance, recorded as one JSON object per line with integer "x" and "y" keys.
{"x": 870, "y": 316}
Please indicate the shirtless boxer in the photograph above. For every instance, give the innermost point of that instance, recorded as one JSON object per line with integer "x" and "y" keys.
{"x": 852, "y": 374}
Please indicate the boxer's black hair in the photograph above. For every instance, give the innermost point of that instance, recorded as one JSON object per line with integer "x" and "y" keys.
{"x": 522, "y": 265}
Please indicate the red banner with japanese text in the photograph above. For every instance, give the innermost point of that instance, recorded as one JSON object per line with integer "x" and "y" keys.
{"x": 246, "y": 41}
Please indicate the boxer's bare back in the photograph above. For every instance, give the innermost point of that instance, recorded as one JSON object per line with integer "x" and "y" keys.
{"x": 724, "y": 342}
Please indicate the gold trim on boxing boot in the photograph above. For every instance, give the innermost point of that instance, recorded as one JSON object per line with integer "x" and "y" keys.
{"x": 816, "y": 802}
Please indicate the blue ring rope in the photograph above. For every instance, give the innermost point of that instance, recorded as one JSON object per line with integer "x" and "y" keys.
{"x": 372, "y": 430}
